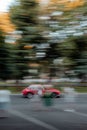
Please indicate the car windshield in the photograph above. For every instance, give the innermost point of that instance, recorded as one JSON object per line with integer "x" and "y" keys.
{"x": 35, "y": 86}
{"x": 48, "y": 86}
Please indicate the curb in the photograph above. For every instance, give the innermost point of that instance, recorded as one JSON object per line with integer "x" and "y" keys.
{"x": 16, "y": 94}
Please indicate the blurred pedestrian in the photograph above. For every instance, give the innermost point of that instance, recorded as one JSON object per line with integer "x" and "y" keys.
{"x": 40, "y": 92}
{"x": 69, "y": 97}
{"x": 4, "y": 102}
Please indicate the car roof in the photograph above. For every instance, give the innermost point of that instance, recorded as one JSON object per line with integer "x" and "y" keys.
{"x": 37, "y": 86}
{"x": 48, "y": 85}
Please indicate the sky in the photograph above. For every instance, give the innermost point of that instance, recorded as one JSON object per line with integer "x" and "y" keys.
{"x": 4, "y": 5}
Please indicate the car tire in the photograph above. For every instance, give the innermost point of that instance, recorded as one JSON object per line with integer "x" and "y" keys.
{"x": 54, "y": 95}
{"x": 24, "y": 96}
{"x": 29, "y": 95}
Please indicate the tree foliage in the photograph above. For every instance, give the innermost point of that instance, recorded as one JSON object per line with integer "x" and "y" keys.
{"x": 6, "y": 59}
{"x": 5, "y": 23}
{"x": 24, "y": 14}
{"x": 80, "y": 55}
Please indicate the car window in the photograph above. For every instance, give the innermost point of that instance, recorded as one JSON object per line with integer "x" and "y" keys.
{"x": 34, "y": 87}
{"x": 48, "y": 86}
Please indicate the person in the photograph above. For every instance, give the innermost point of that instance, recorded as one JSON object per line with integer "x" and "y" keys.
{"x": 69, "y": 94}
{"x": 4, "y": 102}
{"x": 69, "y": 97}
{"x": 40, "y": 93}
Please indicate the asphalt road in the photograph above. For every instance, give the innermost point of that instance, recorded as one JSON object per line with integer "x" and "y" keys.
{"x": 26, "y": 114}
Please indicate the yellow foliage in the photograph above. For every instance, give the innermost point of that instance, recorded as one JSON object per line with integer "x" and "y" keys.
{"x": 74, "y": 4}
{"x": 5, "y": 23}
{"x": 67, "y": 3}
{"x": 28, "y": 47}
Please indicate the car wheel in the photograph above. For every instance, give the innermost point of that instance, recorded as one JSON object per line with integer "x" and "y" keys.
{"x": 54, "y": 95}
{"x": 29, "y": 95}
{"x": 24, "y": 96}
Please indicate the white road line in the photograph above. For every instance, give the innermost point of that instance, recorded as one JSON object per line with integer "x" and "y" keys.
{"x": 78, "y": 113}
{"x": 69, "y": 110}
{"x": 33, "y": 120}
{"x": 81, "y": 114}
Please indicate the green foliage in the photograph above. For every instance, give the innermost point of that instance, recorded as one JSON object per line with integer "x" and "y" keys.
{"x": 24, "y": 14}
{"x": 53, "y": 52}
{"x": 80, "y": 54}
{"x": 6, "y": 59}
{"x": 67, "y": 48}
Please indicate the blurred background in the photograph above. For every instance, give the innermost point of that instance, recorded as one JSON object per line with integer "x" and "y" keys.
{"x": 43, "y": 41}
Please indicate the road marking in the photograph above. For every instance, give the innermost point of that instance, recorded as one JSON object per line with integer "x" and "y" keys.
{"x": 81, "y": 114}
{"x": 33, "y": 120}
{"x": 69, "y": 110}
{"x": 73, "y": 111}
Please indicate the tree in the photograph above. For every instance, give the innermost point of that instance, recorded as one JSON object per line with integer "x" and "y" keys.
{"x": 3, "y": 57}
{"x": 6, "y": 59}
{"x": 80, "y": 55}
{"x": 24, "y": 14}
{"x": 21, "y": 61}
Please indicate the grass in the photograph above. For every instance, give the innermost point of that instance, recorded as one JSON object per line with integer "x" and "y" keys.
{"x": 81, "y": 89}
{"x": 15, "y": 89}
{"x": 78, "y": 89}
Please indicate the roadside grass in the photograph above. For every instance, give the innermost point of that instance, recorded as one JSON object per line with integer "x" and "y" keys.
{"x": 18, "y": 89}
{"x": 13, "y": 89}
{"x": 81, "y": 89}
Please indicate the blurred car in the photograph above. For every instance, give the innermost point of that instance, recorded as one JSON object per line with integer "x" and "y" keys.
{"x": 33, "y": 89}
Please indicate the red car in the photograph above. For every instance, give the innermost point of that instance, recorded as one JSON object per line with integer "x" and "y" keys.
{"x": 33, "y": 89}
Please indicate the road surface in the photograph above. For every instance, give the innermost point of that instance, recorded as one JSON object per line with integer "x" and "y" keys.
{"x": 30, "y": 114}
